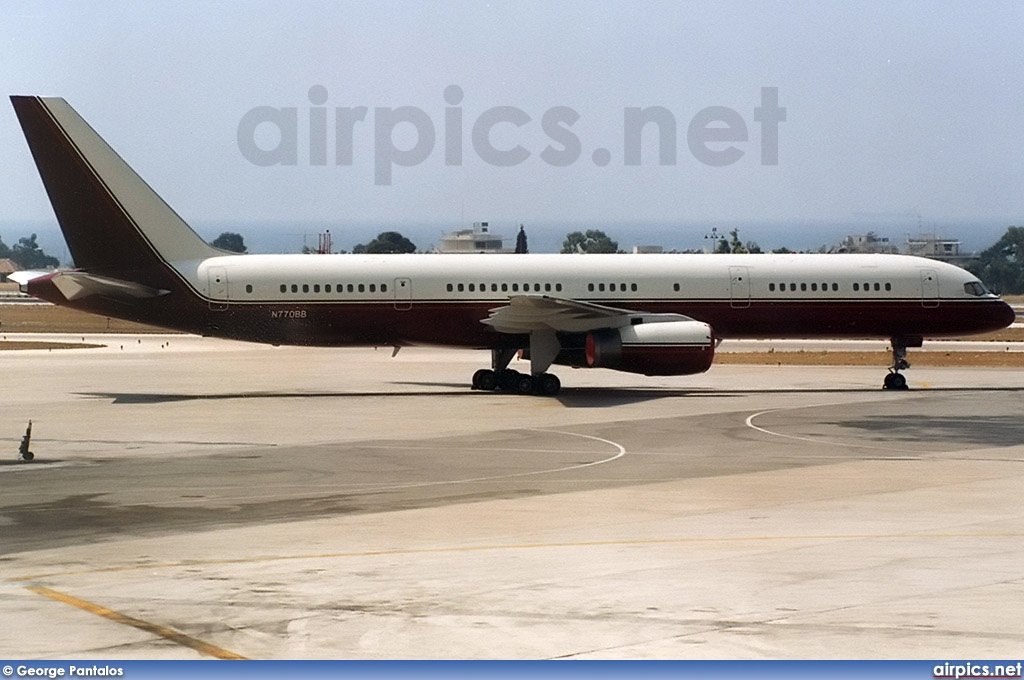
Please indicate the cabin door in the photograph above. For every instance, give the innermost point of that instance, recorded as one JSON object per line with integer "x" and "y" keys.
{"x": 218, "y": 277}
{"x": 739, "y": 287}
{"x": 403, "y": 294}
{"x": 929, "y": 288}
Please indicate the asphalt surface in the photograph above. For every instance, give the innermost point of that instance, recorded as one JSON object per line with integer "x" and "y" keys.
{"x": 223, "y": 499}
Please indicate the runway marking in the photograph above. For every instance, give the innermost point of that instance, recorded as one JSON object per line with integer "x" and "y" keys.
{"x": 819, "y": 441}
{"x": 511, "y": 546}
{"x": 117, "y": 617}
{"x": 471, "y": 480}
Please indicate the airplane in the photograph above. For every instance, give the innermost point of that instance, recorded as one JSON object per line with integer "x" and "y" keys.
{"x": 650, "y": 314}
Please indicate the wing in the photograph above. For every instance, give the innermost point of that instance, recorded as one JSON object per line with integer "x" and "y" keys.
{"x": 532, "y": 313}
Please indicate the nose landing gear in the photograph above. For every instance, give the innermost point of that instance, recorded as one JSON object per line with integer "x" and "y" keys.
{"x": 895, "y": 380}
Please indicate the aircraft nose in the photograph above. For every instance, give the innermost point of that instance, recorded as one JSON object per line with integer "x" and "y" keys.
{"x": 1005, "y": 314}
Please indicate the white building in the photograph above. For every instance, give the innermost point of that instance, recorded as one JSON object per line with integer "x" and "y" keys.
{"x": 476, "y": 240}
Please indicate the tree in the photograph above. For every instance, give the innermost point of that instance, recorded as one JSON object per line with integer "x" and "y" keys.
{"x": 734, "y": 245}
{"x": 594, "y": 241}
{"x": 1001, "y": 267}
{"x": 29, "y": 255}
{"x": 5, "y": 252}
{"x": 230, "y": 241}
{"x": 522, "y": 247}
{"x": 387, "y": 242}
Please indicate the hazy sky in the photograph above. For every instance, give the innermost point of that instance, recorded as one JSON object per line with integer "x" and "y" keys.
{"x": 890, "y": 107}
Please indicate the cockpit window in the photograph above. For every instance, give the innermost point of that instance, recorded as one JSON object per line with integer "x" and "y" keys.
{"x": 975, "y": 288}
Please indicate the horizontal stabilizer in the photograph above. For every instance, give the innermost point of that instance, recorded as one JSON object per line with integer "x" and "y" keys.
{"x": 76, "y": 285}
{"x": 26, "y": 275}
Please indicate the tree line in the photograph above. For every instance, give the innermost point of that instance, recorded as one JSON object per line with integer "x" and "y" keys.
{"x": 27, "y": 253}
{"x": 1000, "y": 267}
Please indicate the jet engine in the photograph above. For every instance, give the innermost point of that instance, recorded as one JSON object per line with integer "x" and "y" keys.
{"x": 666, "y": 348}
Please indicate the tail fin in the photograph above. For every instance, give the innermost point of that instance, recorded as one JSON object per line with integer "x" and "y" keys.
{"x": 115, "y": 225}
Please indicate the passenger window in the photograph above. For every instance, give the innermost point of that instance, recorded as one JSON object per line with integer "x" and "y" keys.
{"x": 295, "y": 288}
{"x": 504, "y": 288}
{"x": 771, "y": 287}
{"x": 814, "y": 287}
{"x": 327, "y": 288}
{"x": 590, "y": 287}
{"x": 284, "y": 288}
{"x": 633, "y": 287}
{"x": 856, "y": 287}
{"x": 600, "y": 287}
{"x": 803, "y": 286}
{"x": 611, "y": 287}
{"x": 835, "y": 286}
{"x": 558, "y": 287}
{"x": 472, "y": 288}
{"x": 792, "y": 287}
{"x": 675, "y": 287}
{"x": 383, "y": 287}
{"x": 888, "y": 286}
{"x": 362, "y": 288}
{"x": 316, "y": 288}
{"x": 373, "y": 287}
{"x": 248, "y": 288}
{"x": 351, "y": 288}
{"x": 878, "y": 286}
{"x": 515, "y": 287}
{"x": 461, "y": 287}
{"x": 450, "y": 287}
{"x": 305, "y": 288}
{"x": 547, "y": 287}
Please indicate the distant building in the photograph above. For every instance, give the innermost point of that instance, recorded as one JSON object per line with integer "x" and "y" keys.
{"x": 931, "y": 246}
{"x": 937, "y": 248}
{"x": 476, "y": 240}
{"x": 865, "y": 243}
{"x": 648, "y": 250}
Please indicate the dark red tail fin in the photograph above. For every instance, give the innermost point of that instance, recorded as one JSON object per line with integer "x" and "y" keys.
{"x": 115, "y": 225}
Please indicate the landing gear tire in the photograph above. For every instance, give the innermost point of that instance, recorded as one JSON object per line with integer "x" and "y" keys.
{"x": 508, "y": 379}
{"x": 485, "y": 379}
{"x": 547, "y": 384}
{"x": 894, "y": 381}
{"x": 523, "y": 384}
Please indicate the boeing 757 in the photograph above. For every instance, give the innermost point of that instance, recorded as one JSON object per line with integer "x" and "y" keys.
{"x": 136, "y": 259}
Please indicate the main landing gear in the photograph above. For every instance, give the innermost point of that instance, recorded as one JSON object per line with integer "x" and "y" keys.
{"x": 895, "y": 380}
{"x": 501, "y": 377}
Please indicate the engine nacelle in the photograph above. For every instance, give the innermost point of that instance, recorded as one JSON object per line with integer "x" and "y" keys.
{"x": 666, "y": 348}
